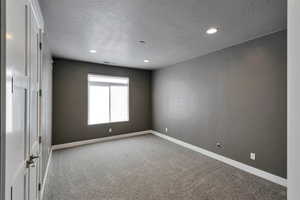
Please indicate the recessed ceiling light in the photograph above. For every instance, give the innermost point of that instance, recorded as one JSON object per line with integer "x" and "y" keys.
{"x": 211, "y": 30}
{"x": 146, "y": 61}
{"x": 93, "y": 51}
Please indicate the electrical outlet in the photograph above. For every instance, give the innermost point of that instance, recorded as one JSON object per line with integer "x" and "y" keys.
{"x": 110, "y": 130}
{"x": 166, "y": 130}
{"x": 252, "y": 156}
{"x": 219, "y": 145}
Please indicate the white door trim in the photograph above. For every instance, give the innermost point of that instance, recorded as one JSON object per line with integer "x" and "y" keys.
{"x": 252, "y": 170}
{"x": 293, "y": 125}
{"x": 37, "y": 13}
{"x": 2, "y": 98}
{"x": 44, "y": 179}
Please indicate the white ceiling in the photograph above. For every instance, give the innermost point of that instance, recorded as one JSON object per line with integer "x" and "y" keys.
{"x": 174, "y": 30}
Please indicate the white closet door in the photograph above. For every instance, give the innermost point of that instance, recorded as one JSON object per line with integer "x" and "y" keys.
{"x": 23, "y": 77}
{"x": 34, "y": 101}
{"x": 17, "y": 84}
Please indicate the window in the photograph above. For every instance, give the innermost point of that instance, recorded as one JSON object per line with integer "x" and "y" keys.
{"x": 108, "y": 99}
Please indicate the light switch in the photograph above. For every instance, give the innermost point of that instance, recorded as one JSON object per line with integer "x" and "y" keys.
{"x": 252, "y": 156}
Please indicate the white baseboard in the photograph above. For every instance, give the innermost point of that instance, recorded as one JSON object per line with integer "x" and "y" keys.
{"x": 46, "y": 174}
{"x": 252, "y": 170}
{"x": 84, "y": 142}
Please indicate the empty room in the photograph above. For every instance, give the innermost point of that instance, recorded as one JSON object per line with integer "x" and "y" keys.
{"x": 150, "y": 100}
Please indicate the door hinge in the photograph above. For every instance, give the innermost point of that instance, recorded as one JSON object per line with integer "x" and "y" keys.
{"x": 12, "y": 84}
{"x": 40, "y": 92}
{"x": 40, "y": 139}
{"x": 41, "y": 46}
{"x": 11, "y": 193}
{"x": 39, "y": 187}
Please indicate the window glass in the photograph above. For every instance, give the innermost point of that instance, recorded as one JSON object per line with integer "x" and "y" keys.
{"x": 98, "y": 104}
{"x": 108, "y": 99}
{"x": 119, "y": 103}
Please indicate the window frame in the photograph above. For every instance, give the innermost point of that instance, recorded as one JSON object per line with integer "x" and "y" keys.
{"x": 109, "y": 86}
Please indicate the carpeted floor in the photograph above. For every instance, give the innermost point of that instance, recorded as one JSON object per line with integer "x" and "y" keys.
{"x": 149, "y": 168}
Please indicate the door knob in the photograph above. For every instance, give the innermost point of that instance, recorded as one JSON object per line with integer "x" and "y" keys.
{"x": 32, "y": 157}
{"x": 30, "y": 162}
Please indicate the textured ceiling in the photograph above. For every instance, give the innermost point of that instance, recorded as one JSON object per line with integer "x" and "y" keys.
{"x": 174, "y": 30}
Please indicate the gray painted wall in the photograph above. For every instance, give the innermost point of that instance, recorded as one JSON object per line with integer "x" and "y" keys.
{"x": 70, "y": 101}
{"x": 236, "y": 96}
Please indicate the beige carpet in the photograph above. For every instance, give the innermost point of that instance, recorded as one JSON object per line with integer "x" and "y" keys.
{"x": 149, "y": 168}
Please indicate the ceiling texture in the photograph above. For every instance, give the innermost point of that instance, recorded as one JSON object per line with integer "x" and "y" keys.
{"x": 173, "y": 30}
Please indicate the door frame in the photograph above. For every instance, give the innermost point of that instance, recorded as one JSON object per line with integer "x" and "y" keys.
{"x": 293, "y": 100}
{"x": 2, "y": 98}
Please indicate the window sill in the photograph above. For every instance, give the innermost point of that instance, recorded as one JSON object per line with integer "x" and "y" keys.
{"x": 108, "y": 123}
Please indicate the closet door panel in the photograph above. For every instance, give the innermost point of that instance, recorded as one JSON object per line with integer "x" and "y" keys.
{"x": 17, "y": 85}
{"x": 34, "y": 119}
